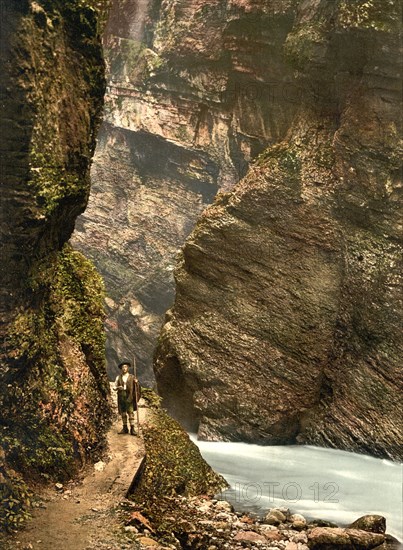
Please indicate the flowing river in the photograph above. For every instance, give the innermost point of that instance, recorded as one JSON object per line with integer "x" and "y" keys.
{"x": 319, "y": 483}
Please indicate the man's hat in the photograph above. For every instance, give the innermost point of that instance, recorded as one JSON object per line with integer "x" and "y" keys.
{"x": 124, "y": 362}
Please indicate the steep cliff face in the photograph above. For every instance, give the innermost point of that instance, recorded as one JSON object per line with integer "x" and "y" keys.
{"x": 54, "y": 388}
{"x": 196, "y": 90}
{"x": 287, "y": 321}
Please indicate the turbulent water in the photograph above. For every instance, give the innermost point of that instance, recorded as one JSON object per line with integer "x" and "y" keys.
{"x": 318, "y": 483}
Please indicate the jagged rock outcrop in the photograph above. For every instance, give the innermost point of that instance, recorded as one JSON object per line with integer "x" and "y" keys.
{"x": 196, "y": 90}
{"x": 287, "y": 321}
{"x": 54, "y": 389}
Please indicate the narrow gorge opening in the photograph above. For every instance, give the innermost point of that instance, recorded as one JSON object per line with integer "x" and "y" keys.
{"x": 245, "y": 221}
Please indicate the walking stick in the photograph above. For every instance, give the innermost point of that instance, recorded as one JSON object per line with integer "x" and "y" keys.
{"x": 136, "y": 395}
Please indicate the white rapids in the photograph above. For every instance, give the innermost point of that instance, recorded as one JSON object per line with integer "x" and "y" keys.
{"x": 319, "y": 483}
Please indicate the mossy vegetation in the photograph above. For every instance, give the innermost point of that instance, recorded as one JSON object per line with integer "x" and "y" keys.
{"x": 64, "y": 96}
{"x": 324, "y": 156}
{"x": 174, "y": 467}
{"x": 56, "y": 407}
{"x": 53, "y": 183}
{"x": 303, "y": 43}
{"x": 281, "y": 157}
{"x": 379, "y": 15}
{"x": 77, "y": 299}
{"x": 99, "y": 9}
{"x": 132, "y": 59}
{"x": 174, "y": 464}
{"x": 15, "y": 498}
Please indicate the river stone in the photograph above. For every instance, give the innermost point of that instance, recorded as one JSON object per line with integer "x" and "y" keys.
{"x": 371, "y": 522}
{"x": 297, "y": 517}
{"x": 327, "y": 538}
{"x": 390, "y": 543}
{"x": 268, "y": 528}
{"x": 300, "y": 537}
{"x": 275, "y": 517}
{"x": 321, "y": 523}
{"x": 298, "y": 521}
{"x": 272, "y": 535}
{"x": 324, "y": 537}
{"x": 249, "y": 536}
{"x": 365, "y": 539}
{"x": 224, "y": 506}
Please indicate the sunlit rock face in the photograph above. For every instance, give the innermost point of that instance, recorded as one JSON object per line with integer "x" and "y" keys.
{"x": 54, "y": 389}
{"x": 196, "y": 90}
{"x": 287, "y": 321}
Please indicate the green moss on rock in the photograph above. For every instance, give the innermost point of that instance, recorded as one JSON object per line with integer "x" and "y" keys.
{"x": 379, "y": 15}
{"x": 52, "y": 183}
{"x": 57, "y": 408}
{"x": 304, "y": 43}
{"x": 282, "y": 158}
{"x": 174, "y": 467}
{"x": 174, "y": 464}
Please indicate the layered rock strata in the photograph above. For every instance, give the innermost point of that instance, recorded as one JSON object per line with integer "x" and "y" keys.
{"x": 196, "y": 90}
{"x": 54, "y": 389}
{"x": 288, "y": 314}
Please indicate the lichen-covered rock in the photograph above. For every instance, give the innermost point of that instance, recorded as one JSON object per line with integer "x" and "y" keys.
{"x": 54, "y": 389}
{"x": 287, "y": 321}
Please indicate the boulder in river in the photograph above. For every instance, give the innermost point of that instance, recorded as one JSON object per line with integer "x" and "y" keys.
{"x": 328, "y": 538}
{"x": 371, "y": 522}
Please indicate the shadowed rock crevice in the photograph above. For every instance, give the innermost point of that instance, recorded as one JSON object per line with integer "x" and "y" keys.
{"x": 179, "y": 400}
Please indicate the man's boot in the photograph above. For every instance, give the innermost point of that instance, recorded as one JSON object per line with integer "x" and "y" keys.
{"x": 125, "y": 430}
{"x": 132, "y": 432}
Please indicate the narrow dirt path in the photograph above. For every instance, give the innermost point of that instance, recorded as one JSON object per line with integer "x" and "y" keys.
{"x": 85, "y": 515}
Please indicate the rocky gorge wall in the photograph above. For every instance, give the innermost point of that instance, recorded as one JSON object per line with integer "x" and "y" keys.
{"x": 54, "y": 388}
{"x": 287, "y": 320}
{"x": 195, "y": 91}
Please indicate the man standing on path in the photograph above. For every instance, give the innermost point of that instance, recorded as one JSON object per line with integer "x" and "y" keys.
{"x": 128, "y": 389}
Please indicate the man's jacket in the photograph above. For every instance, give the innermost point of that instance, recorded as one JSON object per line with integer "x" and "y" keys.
{"x": 132, "y": 392}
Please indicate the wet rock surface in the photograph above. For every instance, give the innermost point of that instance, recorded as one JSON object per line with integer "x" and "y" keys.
{"x": 286, "y": 324}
